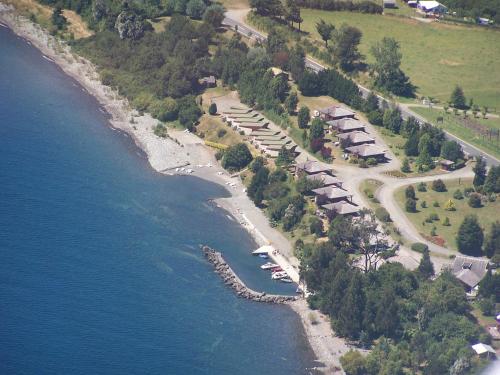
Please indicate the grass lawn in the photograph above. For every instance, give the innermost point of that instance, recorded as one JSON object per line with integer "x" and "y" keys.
{"x": 486, "y": 214}
{"x": 368, "y": 188}
{"x": 451, "y": 124}
{"x": 436, "y": 56}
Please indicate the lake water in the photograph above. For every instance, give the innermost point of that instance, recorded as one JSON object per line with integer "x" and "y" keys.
{"x": 100, "y": 270}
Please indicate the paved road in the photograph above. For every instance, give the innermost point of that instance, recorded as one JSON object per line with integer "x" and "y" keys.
{"x": 472, "y": 150}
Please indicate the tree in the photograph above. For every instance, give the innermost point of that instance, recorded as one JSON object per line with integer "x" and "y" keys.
{"x": 257, "y": 185}
{"x": 285, "y": 157}
{"x": 492, "y": 243}
{"x": 474, "y": 200}
{"x": 316, "y": 226}
{"x": 291, "y": 102}
{"x": 189, "y": 112}
{"x": 325, "y": 30}
{"x": 392, "y": 120}
{"x": 257, "y": 164}
{"x": 386, "y": 68}
{"x": 58, "y": 20}
{"x": 303, "y": 117}
{"x": 451, "y": 150}
{"x": 371, "y": 103}
{"x": 387, "y": 318}
{"x": 479, "y": 172}
{"x": 212, "y": 109}
{"x": 236, "y": 157}
{"x": 470, "y": 236}
{"x": 449, "y": 205}
{"x": 410, "y": 192}
{"x": 457, "y": 98}
{"x": 405, "y": 168}
{"x": 214, "y": 15}
{"x": 273, "y": 8}
{"x": 350, "y": 318}
{"x": 195, "y": 9}
{"x": 411, "y": 205}
{"x": 346, "y": 47}
{"x": 492, "y": 182}
{"x": 297, "y": 62}
{"x": 317, "y": 130}
{"x": 411, "y": 145}
{"x": 425, "y": 267}
{"x": 438, "y": 185}
{"x": 275, "y": 42}
{"x": 292, "y": 13}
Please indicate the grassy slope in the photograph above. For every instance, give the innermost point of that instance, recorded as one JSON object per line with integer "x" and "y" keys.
{"x": 450, "y": 124}
{"x": 486, "y": 214}
{"x": 436, "y": 56}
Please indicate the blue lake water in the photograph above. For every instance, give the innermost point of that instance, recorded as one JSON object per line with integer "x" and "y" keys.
{"x": 100, "y": 270}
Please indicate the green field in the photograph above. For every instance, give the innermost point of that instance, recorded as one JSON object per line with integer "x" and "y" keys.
{"x": 486, "y": 214}
{"x": 451, "y": 123}
{"x": 436, "y": 56}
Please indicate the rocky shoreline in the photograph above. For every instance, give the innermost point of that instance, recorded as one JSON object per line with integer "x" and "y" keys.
{"x": 233, "y": 281}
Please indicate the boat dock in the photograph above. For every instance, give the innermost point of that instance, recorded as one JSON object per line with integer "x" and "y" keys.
{"x": 232, "y": 280}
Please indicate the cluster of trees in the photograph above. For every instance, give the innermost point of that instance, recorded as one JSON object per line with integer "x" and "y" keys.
{"x": 471, "y": 239}
{"x": 387, "y": 68}
{"x": 159, "y": 72}
{"x": 364, "y": 6}
{"x": 274, "y": 189}
{"x": 236, "y": 157}
{"x": 58, "y": 20}
{"x": 477, "y": 8}
{"x": 276, "y": 9}
{"x": 418, "y": 325}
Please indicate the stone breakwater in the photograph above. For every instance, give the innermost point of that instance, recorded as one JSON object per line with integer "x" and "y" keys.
{"x": 234, "y": 282}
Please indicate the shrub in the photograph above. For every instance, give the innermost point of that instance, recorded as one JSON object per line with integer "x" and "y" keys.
{"x": 371, "y": 161}
{"x": 449, "y": 205}
{"x": 411, "y": 205}
{"x": 316, "y": 227}
{"x": 212, "y": 109}
{"x": 221, "y": 133}
{"x": 405, "y": 168}
{"x": 438, "y": 185}
{"x": 362, "y": 163}
{"x": 423, "y": 204}
{"x": 163, "y": 110}
{"x": 458, "y": 194}
{"x": 434, "y": 216}
{"x": 369, "y": 193}
{"x": 468, "y": 190}
{"x": 435, "y": 204}
{"x": 219, "y": 154}
{"x": 419, "y": 247}
{"x": 382, "y": 214}
{"x": 475, "y": 200}
{"x": 446, "y": 221}
{"x": 422, "y": 186}
{"x": 433, "y": 231}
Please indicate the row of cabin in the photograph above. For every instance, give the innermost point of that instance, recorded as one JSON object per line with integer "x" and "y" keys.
{"x": 254, "y": 125}
{"x": 331, "y": 196}
{"x": 343, "y": 121}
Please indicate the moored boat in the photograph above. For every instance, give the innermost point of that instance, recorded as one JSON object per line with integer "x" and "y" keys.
{"x": 279, "y": 275}
{"x": 286, "y": 280}
{"x": 268, "y": 266}
{"x": 264, "y": 256}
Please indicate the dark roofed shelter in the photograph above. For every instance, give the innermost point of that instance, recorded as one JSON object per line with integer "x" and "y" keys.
{"x": 367, "y": 151}
{"x": 469, "y": 270}
{"x": 346, "y": 125}
{"x": 356, "y": 138}
{"x": 335, "y": 112}
{"x": 313, "y": 167}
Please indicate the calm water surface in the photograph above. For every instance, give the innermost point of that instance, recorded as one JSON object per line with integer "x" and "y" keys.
{"x": 99, "y": 266}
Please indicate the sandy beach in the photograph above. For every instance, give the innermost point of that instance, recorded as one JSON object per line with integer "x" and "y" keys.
{"x": 184, "y": 151}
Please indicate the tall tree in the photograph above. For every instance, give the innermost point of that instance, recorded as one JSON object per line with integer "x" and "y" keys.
{"x": 349, "y": 322}
{"x": 425, "y": 267}
{"x": 291, "y": 102}
{"x": 345, "y": 48}
{"x": 411, "y": 145}
{"x": 325, "y": 30}
{"x": 257, "y": 185}
{"x": 214, "y": 15}
{"x": 387, "y": 317}
{"x": 392, "y": 120}
{"x": 492, "y": 182}
{"x": 470, "y": 236}
{"x": 451, "y": 150}
{"x": 457, "y": 98}
{"x": 492, "y": 243}
{"x": 303, "y": 117}
{"x": 317, "y": 130}
{"x": 297, "y": 62}
{"x": 479, "y": 172}
{"x": 388, "y": 74}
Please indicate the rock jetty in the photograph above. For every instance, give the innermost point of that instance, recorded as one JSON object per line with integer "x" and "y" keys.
{"x": 234, "y": 282}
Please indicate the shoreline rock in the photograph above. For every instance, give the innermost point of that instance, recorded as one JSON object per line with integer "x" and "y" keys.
{"x": 230, "y": 278}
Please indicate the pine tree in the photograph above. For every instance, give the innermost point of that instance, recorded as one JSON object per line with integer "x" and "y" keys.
{"x": 303, "y": 117}
{"x": 458, "y": 98}
{"x": 492, "y": 182}
{"x": 405, "y": 168}
{"x": 387, "y": 318}
{"x": 212, "y": 109}
{"x": 470, "y": 236}
{"x": 325, "y": 30}
{"x": 411, "y": 145}
{"x": 479, "y": 172}
{"x": 425, "y": 267}
{"x": 350, "y": 318}
{"x": 291, "y": 102}
{"x": 492, "y": 243}
{"x": 410, "y": 192}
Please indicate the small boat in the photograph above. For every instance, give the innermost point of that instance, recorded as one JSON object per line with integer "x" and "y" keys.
{"x": 264, "y": 256}
{"x": 286, "y": 280}
{"x": 268, "y": 266}
{"x": 279, "y": 275}
{"x": 276, "y": 269}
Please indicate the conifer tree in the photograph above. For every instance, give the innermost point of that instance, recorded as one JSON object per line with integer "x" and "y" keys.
{"x": 425, "y": 267}
{"x": 479, "y": 172}
{"x": 350, "y": 318}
